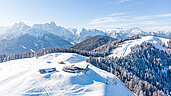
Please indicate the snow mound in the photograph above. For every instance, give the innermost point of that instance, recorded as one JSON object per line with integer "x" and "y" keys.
{"x": 22, "y": 78}
{"x": 125, "y": 48}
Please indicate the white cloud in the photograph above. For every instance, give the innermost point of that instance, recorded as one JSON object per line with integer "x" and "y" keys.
{"x": 117, "y": 14}
{"x": 111, "y": 26}
{"x": 124, "y": 1}
{"x": 164, "y": 15}
{"x": 114, "y": 17}
{"x": 118, "y": 18}
{"x": 104, "y": 20}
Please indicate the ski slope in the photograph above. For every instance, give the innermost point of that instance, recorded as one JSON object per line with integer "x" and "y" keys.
{"x": 22, "y": 78}
{"x": 125, "y": 48}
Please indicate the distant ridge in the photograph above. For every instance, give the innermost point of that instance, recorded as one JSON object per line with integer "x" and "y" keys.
{"x": 93, "y": 42}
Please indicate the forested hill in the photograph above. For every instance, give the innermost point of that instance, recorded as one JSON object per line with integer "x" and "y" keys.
{"x": 93, "y": 42}
{"x": 146, "y": 70}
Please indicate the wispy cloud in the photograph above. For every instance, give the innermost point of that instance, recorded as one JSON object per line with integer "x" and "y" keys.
{"x": 122, "y": 20}
{"x": 105, "y": 20}
{"x": 116, "y": 2}
{"x": 164, "y": 15}
{"x": 116, "y": 17}
{"x": 117, "y": 14}
{"x": 120, "y": 1}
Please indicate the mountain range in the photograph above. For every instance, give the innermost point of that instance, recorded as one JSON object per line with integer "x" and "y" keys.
{"x": 22, "y": 38}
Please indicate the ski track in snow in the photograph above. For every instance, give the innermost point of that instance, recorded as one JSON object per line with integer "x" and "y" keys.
{"x": 22, "y": 78}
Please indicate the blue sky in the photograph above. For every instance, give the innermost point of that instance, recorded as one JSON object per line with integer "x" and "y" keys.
{"x": 148, "y": 15}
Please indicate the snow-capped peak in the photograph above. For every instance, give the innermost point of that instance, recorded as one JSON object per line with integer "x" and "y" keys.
{"x": 20, "y": 24}
{"x": 18, "y": 27}
{"x": 135, "y": 31}
{"x": 16, "y": 30}
{"x": 90, "y": 32}
{"x": 52, "y": 23}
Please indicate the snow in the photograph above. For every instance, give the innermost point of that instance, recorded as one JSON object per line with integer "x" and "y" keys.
{"x": 23, "y": 47}
{"x": 90, "y": 32}
{"x": 22, "y": 78}
{"x": 16, "y": 30}
{"x": 72, "y": 43}
{"x": 125, "y": 47}
{"x": 32, "y": 50}
{"x": 53, "y": 29}
{"x": 36, "y": 32}
{"x": 121, "y": 33}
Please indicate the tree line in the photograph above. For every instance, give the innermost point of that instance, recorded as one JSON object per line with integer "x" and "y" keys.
{"x": 4, "y": 57}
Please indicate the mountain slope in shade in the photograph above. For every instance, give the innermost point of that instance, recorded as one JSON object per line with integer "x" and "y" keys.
{"x": 93, "y": 42}
{"x": 23, "y": 38}
{"x": 21, "y": 77}
{"x": 28, "y": 43}
{"x": 79, "y": 39}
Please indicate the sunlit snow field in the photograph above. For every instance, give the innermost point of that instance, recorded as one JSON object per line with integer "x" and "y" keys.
{"x": 22, "y": 78}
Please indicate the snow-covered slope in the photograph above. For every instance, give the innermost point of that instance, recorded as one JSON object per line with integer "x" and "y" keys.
{"x": 22, "y": 77}
{"x": 16, "y": 30}
{"x": 57, "y": 30}
{"x": 121, "y": 33}
{"x": 92, "y": 32}
{"x": 125, "y": 47}
{"x": 166, "y": 34}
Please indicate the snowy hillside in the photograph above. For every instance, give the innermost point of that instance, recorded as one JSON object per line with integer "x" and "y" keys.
{"x": 22, "y": 77}
{"x": 125, "y": 48}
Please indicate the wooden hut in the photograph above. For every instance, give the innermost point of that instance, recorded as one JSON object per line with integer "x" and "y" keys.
{"x": 74, "y": 69}
{"x": 47, "y": 70}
